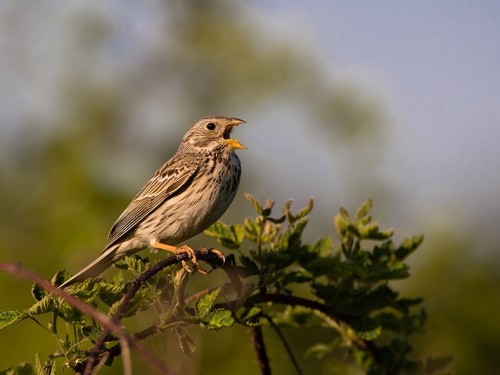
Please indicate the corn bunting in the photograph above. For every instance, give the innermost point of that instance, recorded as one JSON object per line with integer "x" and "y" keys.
{"x": 185, "y": 196}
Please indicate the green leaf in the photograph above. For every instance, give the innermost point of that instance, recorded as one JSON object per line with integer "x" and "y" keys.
{"x": 275, "y": 260}
{"x": 60, "y": 277}
{"x": 250, "y": 267}
{"x": 379, "y": 298}
{"x": 299, "y": 277}
{"x": 324, "y": 266}
{"x": 251, "y": 317}
{"x": 238, "y": 234}
{"x": 136, "y": 264}
{"x": 296, "y": 231}
{"x": 86, "y": 290}
{"x": 408, "y": 246}
{"x": 10, "y": 317}
{"x": 204, "y": 304}
{"x": 251, "y": 229}
{"x": 363, "y": 210}
{"x": 404, "y": 304}
{"x": 397, "y": 274}
{"x": 121, "y": 264}
{"x": 366, "y": 328}
{"x": 287, "y": 210}
{"x": 306, "y": 210}
{"x": 390, "y": 321}
{"x": 255, "y": 203}
{"x": 186, "y": 343}
{"x": 219, "y": 318}
{"x": 341, "y": 225}
{"x": 319, "y": 350}
{"x": 229, "y": 236}
{"x": 344, "y": 215}
{"x": 110, "y": 293}
{"x": 46, "y": 305}
{"x": 70, "y": 314}
{"x": 218, "y": 230}
{"x": 372, "y": 232}
{"x": 297, "y": 316}
{"x": 38, "y": 292}
{"x": 91, "y": 332}
{"x": 323, "y": 247}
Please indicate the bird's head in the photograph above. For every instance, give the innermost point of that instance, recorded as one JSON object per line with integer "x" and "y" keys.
{"x": 213, "y": 133}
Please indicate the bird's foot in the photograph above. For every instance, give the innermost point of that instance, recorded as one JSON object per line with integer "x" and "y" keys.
{"x": 185, "y": 249}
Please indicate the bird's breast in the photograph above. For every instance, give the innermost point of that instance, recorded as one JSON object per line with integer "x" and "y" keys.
{"x": 203, "y": 202}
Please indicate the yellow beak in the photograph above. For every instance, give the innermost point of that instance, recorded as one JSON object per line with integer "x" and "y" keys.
{"x": 234, "y": 143}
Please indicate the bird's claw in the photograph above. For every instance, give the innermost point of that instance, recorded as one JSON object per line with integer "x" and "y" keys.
{"x": 192, "y": 257}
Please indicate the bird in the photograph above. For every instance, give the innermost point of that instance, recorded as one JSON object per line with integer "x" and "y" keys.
{"x": 185, "y": 196}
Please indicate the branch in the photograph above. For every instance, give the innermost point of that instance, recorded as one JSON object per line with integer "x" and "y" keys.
{"x": 285, "y": 299}
{"x": 260, "y": 348}
{"x": 202, "y": 254}
{"x": 148, "y": 357}
{"x": 115, "y": 350}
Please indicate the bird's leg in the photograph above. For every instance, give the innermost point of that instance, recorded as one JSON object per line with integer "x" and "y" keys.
{"x": 185, "y": 249}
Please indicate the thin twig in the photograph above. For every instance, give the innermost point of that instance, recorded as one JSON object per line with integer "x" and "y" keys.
{"x": 298, "y": 370}
{"x": 115, "y": 350}
{"x": 285, "y": 299}
{"x": 260, "y": 349}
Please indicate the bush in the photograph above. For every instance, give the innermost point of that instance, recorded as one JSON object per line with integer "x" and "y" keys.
{"x": 279, "y": 281}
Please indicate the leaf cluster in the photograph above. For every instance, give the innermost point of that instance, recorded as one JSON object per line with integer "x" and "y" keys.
{"x": 346, "y": 287}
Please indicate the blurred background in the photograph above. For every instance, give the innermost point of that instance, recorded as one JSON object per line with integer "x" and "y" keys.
{"x": 397, "y": 101}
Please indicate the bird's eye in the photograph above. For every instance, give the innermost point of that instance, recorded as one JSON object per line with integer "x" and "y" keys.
{"x": 210, "y": 126}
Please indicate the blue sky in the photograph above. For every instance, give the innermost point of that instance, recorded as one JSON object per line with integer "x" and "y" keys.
{"x": 439, "y": 64}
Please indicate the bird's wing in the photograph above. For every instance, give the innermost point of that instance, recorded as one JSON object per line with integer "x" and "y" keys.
{"x": 170, "y": 179}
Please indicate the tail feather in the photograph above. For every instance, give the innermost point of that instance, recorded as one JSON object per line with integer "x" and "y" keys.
{"x": 98, "y": 266}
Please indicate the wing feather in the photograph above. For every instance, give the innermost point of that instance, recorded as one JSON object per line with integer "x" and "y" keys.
{"x": 167, "y": 181}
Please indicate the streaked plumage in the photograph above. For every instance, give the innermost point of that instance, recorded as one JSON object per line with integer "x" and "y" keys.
{"x": 184, "y": 197}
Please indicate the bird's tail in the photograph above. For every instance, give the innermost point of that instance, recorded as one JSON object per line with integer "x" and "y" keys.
{"x": 98, "y": 266}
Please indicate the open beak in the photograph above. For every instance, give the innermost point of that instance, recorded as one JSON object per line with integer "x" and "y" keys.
{"x": 234, "y": 143}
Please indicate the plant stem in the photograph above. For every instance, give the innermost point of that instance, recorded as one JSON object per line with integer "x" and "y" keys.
{"x": 260, "y": 349}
